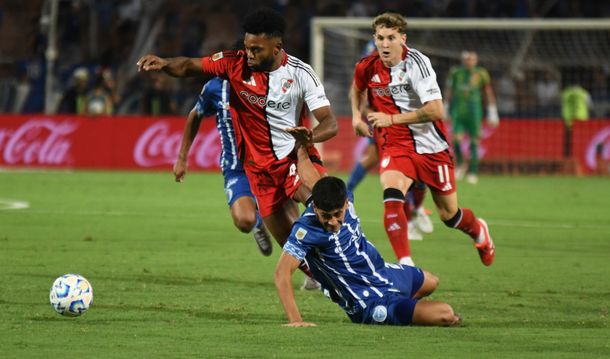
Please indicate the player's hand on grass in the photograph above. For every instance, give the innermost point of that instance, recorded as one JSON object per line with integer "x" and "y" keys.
{"x": 299, "y": 324}
{"x": 180, "y": 170}
{"x": 362, "y": 129}
{"x": 151, "y": 63}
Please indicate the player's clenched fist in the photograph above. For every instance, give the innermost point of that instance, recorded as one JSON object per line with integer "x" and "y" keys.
{"x": 151, "y": 63}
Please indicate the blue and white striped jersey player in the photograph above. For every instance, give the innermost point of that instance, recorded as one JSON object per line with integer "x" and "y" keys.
{"x": 350, "y": 270}
{"x": 214, "y": 100}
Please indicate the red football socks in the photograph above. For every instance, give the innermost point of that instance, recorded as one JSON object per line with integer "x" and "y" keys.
{"x": 395, "y": 223}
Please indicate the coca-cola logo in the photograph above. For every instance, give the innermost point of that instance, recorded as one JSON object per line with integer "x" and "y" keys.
{"x": 37, "y": 142}
{"x": 598, "y": 148}
{"x": 158, "y": 146}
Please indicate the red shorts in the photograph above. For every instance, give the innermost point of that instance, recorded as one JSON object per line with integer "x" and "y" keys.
{"x": 274, "y": 185}
{"x": 433, "y": 169}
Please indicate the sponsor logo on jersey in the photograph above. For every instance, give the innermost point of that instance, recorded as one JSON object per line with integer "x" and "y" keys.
{"x": 391, "y": 90}
{"x": 217, "y": 56}
{"x": 286, "y": 84}
{"x": 376, "y": 78}
{"x": 262, "y": 101}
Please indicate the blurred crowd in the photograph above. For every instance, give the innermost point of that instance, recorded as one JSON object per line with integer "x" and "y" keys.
{"x": 99, "y": 41}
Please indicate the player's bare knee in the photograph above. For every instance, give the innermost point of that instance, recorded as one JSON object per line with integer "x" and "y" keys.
{"x": 244, "y": 224}
{"x": 430, "y": 280}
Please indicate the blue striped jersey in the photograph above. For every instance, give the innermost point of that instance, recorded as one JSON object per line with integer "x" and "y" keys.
{"x": 214, "y": 100}
{"x": 349, "y": 268}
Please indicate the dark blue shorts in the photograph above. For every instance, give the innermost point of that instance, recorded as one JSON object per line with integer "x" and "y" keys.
{"x": 236, "y": 185}
{"x": 394, "y": 308}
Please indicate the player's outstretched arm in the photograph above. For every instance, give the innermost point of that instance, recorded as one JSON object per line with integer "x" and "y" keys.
{"x": 286, "y": 265}
{"x": 191, "y": 128}
{"x": 305, "y": 168}
{"x": 175, "y": 66}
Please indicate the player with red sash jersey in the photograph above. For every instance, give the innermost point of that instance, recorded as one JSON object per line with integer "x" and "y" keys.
{"x": 270, "y": 94}
{"x": 400, "y": 86}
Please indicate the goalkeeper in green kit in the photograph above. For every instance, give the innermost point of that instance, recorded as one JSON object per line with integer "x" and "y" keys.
{"x": 464, "y": 104}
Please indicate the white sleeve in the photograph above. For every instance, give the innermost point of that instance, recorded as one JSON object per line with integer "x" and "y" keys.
{"x": 313, "y": 90}
{"x": 423, "y": 78}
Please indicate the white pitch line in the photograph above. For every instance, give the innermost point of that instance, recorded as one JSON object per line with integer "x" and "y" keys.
{"x": 35, "y": 170}
{"x": 6, "y": 204}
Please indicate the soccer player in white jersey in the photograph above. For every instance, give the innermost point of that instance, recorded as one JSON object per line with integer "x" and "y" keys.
{"x": 270, "y": 94}
{"x": 350, "y": 270}
{"x": 419, "y": 221}
{"x": 406, "y": 113}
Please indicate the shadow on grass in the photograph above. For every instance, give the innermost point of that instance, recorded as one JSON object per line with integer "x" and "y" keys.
{"x": 223, "y": 314}
{"x": 169, "y": 279}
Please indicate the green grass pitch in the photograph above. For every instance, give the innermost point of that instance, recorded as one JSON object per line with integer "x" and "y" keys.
{"x": 173, "y": 278}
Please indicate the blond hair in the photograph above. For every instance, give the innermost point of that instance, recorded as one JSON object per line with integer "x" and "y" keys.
{"x": 390, "y": 20}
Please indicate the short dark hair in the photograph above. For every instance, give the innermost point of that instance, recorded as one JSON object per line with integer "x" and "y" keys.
{"x": 265, "y": 21}
{"x": 329, "y": 193}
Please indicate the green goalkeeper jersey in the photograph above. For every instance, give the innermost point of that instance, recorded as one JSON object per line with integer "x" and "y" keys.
{"x": 466, "y": 88}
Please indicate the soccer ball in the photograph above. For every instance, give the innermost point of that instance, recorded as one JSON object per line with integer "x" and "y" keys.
{"x": 71, "y": 295}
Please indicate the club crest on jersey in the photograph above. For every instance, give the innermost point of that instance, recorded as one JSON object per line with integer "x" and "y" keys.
{"x": 217, "y": 56}
{"x": 301, "y": 232}
{"x": 286, "y": 84}
{"x": 401, "y": 75}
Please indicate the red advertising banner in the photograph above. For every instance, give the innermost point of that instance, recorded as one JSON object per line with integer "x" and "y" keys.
{"x": 103, "y": 142}
{"x": 132, "y": 142}
{"x": 591, "y": 145}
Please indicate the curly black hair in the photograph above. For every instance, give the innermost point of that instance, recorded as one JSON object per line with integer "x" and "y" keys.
{"x": 265, "y": 21}
{"x": 329, "y": 193}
